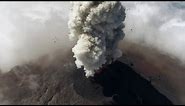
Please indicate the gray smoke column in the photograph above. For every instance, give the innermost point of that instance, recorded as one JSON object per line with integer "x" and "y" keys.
{"x": 98, "y": 27}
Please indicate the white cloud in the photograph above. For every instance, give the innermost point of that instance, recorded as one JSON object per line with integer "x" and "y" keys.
{"x": 160, "y": 25}
{"x": 31, "y": 29}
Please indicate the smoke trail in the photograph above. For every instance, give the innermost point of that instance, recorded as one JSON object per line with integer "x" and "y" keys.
{"x": 98, "y": 28}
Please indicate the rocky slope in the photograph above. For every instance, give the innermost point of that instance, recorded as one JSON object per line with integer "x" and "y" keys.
{"x": 59, "y": 82}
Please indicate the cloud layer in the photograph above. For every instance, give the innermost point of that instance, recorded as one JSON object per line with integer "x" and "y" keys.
{"x": 158, "y": 25}
{"x": 30, "y": 30}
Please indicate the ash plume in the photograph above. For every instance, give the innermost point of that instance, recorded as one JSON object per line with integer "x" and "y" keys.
{"x": 97, "y": 27}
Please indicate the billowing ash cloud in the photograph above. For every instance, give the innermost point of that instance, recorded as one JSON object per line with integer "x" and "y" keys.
{"x": 97, "y": 27}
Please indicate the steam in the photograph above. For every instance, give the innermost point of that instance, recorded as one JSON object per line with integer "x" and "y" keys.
{"x": 98, "y": 28}
{"x": 29, "y": 30}
{"x": 158, "y": 25}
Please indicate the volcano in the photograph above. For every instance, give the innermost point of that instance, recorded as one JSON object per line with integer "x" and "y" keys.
{"x": 59, "y": 83}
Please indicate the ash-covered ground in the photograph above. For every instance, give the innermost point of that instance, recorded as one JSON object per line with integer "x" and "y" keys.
{"x": 57, "y": 81}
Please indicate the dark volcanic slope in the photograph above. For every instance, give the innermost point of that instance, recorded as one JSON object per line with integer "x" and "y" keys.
{"x": 127, "y": 87}
{"x": 59, "y": 82}
{"x": 165, "y": 71}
